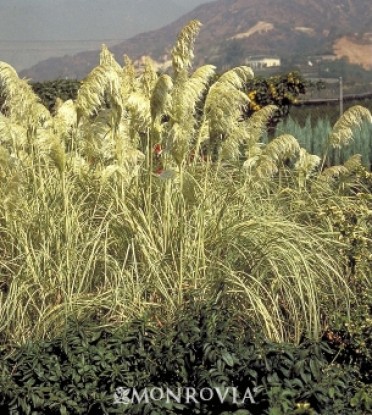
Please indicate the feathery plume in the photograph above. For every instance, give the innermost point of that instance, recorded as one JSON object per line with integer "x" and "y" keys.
{"x": 148, "y": 78}
{"x": 106, "y": 58}
{"x": 237, "y": 77}
{"x": 224, "y": 104}
{"x": 266, "y": 167}
{"x": 12, "y": 135}
{"x": 196, "y": 86}
{"x": 49, "y": 144}
{"x": 256, "y": 124}
{"x": 160, "y": 97}
{"x": 128, "y": 81}
{"x": 66, "y": 115}
{"x": 282, "y": 147}
{"x": 102, "y": 80}
{"x": 354, "y": 162}
{"x": 342, "y": 132}
{"x": 140, "y": 112}
{"x": 186, "y": 94}
{"x": 306, "y": 163}
{"x": 183, "y": 51}
{"x": 253, "y": 158}
{"x": 21, "y": 103}
{"x": 333, "y": 172}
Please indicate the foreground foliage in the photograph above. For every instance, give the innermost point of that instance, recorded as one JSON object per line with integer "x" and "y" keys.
{"x": 206, "y": 346}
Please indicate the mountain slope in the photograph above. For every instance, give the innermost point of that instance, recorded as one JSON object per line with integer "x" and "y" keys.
{"x": 234, "y": 29}
{"x": 37, "y": 30}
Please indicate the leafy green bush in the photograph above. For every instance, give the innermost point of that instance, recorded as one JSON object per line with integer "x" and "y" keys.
{"x": 281, "y": 91}
{"x": 206, "y": 346}
{"x": 50, "y": 91}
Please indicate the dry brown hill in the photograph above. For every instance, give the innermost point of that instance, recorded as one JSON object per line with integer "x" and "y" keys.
{"x": 235, "y": 29}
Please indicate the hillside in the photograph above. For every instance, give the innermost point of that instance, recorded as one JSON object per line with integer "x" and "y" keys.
{"x": 37, "y": 30}
{"x": 236, "y": 29}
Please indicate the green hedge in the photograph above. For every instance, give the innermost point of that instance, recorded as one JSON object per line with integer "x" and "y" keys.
{"x": 206, "y": 347}
{"x": 49, "y": 91}
{"x": 330, "y": 111}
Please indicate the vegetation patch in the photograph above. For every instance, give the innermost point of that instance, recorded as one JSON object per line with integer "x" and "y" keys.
{"x": 206, "y": 348}
{"x": 151, "y": 193}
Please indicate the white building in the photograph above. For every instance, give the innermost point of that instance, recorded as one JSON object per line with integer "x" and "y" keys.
{"x": 262, "y": 62}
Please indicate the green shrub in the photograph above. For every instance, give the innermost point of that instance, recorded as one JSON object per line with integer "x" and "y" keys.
{"x": 206, "y": 346}
{"x": 281, "y": 91}
{"x": 50, "y": 91}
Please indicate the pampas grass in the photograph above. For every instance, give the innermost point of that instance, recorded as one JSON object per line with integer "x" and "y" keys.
{"x": 94, "y": 224}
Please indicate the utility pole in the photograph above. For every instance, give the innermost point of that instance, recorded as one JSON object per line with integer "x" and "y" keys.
{"x": 341, "y": 97}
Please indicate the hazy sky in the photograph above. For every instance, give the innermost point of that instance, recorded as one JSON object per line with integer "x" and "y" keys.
{"x": 33, "y": 30}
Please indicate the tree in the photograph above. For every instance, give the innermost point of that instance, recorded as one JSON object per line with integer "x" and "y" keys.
{"x": 281, "y": 91}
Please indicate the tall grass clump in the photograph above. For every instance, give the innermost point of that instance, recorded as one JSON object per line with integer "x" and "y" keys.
{"x": 150, "y": 190}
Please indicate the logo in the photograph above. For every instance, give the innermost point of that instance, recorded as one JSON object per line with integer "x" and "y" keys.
{"x": 187, "y": 395}
{"x": 121, "y": 396}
